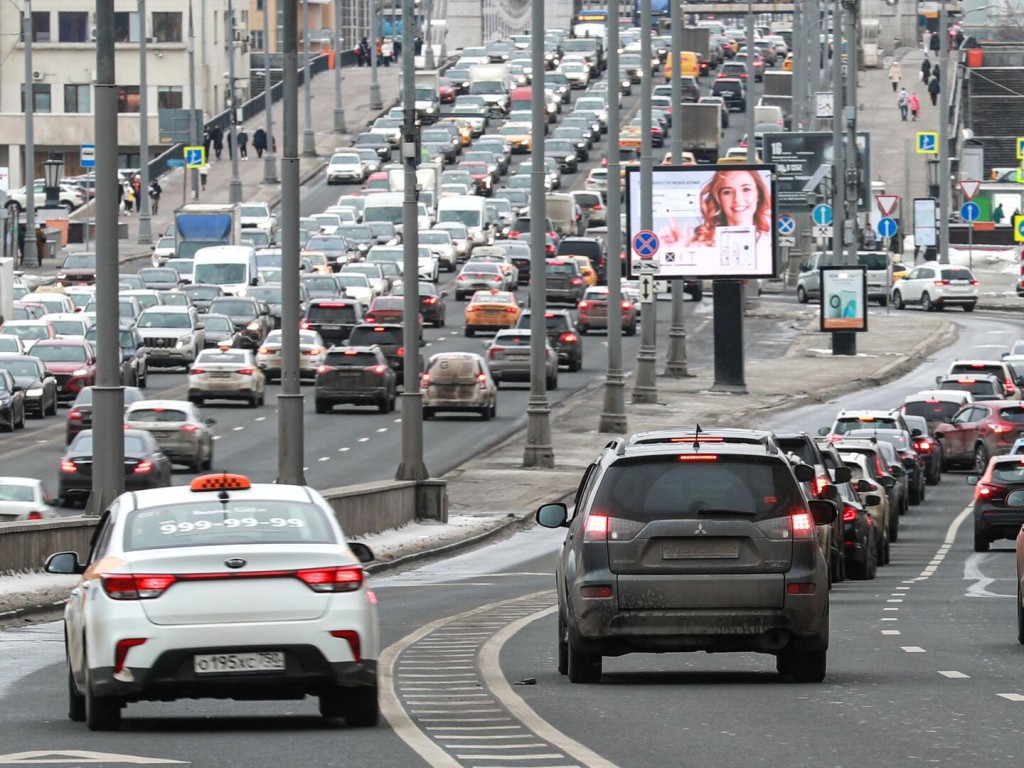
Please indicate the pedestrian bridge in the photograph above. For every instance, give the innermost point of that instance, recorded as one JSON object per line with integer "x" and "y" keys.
{"x": 734, "y": 9}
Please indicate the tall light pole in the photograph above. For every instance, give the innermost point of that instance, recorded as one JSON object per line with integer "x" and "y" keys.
{"x": 193, "y": 120}
{"x": 30, "y": 252}
{"x": 676, "y": 365}
{"x": 269, "y": 160}
{"x": 428, "y": 44}
{"x": 539, "y": 452}
{"x": 308, "y": 137}
{"x": 944, "y": 65}
{"x": 613, "y": 414}
{"x": 751, "y": 121}
{"x": 339, "y": 107}
{"x": 645, "y": 388}
{"x": 290, "y": 428}
{"x": 375, "y": 99}
{"x": 145, "y": 234}
{"x": 235, "y": 185}
{"x": 411, "y": 466}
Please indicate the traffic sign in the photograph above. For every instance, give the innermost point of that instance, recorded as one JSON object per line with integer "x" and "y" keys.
{"x": 647, "y": 289}
{"x": 887, "y": 227}
{"x": 822, "y": 215}
{"x": 927, "y": 143}
{"x": 970, "y": 188}
{"x": 1018, "y": 228}
{"x": 887, "y": 203}
{"x": 645, "y": 243}
{"x": 195, "y": 157}
{"x": 1020, "y": 147}
{"x": 87, "y": 155}
{"x": 970, "y": 212}
{"x": 648, "y": 266}
{"x": 785, "y": 224}
{"x": 821, "y": 231}
{"x": 787, "y": 242}
{"x": 824, "y": 108}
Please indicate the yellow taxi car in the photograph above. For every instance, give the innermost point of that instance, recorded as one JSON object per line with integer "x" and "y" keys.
{"x": 465, "y": 129}
{"x": 491, "y": 311}
{"x": 318, "y": 262}
{"x": 899, "y": 270}
{"x": 518, "y": 135}
{"x": 787, "y": 65}
{"x": 586, "y": 268}
{"x": 630, "y": 138}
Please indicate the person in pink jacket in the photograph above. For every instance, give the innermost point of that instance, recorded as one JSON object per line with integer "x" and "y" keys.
{"x": 915, "y": 105}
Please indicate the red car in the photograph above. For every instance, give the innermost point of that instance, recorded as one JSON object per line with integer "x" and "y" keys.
{"x": 592, "y": 311}
{"x": 977, "y": 432}
{"x": 446, "y": 93}
{"x": 71, "y": 361}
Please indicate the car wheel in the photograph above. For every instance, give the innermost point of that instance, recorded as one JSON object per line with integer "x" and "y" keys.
{"x": 494, "y": 409}
{"x": 321, "y": 406}
{"x": 469, "y": 333}
{"x": 575, "y": 364}
{"x": 980, "y": 458}
{"x": 784, "y": 663}
{"x": 916, "y": 494}
{"x": 9, "y": 426}
{"x": 883, "y": 550}
{"x": 801, "y": 296}
{"x": 897, "y": 300}
{"x": 808, "y": 666}
{"x": 392, "y": 402}
{"x": 21, "y": 421}
{"x": 583, "y": 330}
{"x": 254, "y": 401}
{"x": 552, "y": 382}
{"x": 53, "y": 406}
{"x": 485, "y": 413}
{"x": 208, "y": 464}
{"x": 631, "y": 330}
{"x": 76, "y": 701}
{"x": 981, "y": 541}
{"x": 563, "y": 645}
{"x": 361, "y": 707}
{"x": 969, "y": 307}
{"x": 101, "y": 714}
{"x": 428, "y": 414}
{"x": 382, "y": 405}
{"x": 926, "y": 303}
{"x": 883, "y": 301}
{"x": 582, "y": 667}
{"x": 196, "y": 465}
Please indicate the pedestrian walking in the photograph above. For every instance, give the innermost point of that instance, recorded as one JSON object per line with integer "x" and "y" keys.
{"x": 259, "y": 141}
{"x": 155, "y": 190}
{"x": 895, "y": 75}
{"x": 933, "y": 91}
{"x": 935, "y": 71}
{"x": 40, "y": 243}
{"x": 998, "y": 215}
{"x": 933, "y": 45}
{"x": 137, "y": 191}
{"x": 243, "y": 143}
{"x": 926, "y": 71}
{"x": 914, "y": 104}
{"x": 128, "y": 197}
{"x": 218, "y": 140}
{"x": 903, "y": 102}
{"x": 926, "y": 40}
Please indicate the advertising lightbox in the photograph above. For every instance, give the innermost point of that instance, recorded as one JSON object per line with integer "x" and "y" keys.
{"x": 708, "y": 222}
{"x": 798, "y": 156}
{"x": 844, "y": 294}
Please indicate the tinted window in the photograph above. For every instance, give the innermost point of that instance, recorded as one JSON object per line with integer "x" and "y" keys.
{"x": 1008, "y": 472}
{"x": 132, "y": 444}
{"x": 936, "y": 410}
{"x": 351, "y": 359}
{"x": 369, "y": 336}
{"x": 1014, "y": 415}
{"x": 664, "y": 488}
{"x": 957, "y": 274}
{"x": 844, "y": 425}
{"x": 158, "y": 415}
{"x": 872, "y": 260}
{"x": 332, "y": 314}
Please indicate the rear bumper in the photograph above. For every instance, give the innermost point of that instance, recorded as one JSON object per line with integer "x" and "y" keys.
{"x": 999, "y": 523}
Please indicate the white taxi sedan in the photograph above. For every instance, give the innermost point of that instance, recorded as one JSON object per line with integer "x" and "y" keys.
{"x": 226, "y": 374}
{"x": 220, "y": 589}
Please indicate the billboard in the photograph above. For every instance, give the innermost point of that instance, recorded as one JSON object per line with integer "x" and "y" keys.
{"x": 926, "y": 216}
{"x": 797, "y": 156}
{"x": 708, "y": 222}
{"x": 844, "y": 305}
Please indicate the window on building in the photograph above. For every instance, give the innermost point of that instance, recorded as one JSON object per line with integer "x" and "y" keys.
{"x": 126, "y": 27}
{"x": 167, "y": 27}
{"x": 40, "y": 26}
{"x": 256, "y": 40}
{"x": 73, "y": 26}
{"x": 77, "y": 98}
{"x": 41, "y": 101}
{"x": 170, "y": 97}
{"x": 128, "y": 98}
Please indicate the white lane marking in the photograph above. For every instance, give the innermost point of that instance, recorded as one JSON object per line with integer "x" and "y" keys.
{"x": 324, "y": 458}
{"x": 363, "y": 439}
{"x": 260, "y": 418}
{"x": 890, "y": 609}
{"x": 545, "y": 756}
{"x": 482, "y": 736}
{"x": 972, "y": 572}
{"x": 238, "y": 429}
{"x": 1011, "y": 696}
{"x": 398, "y": 421}
{"x": 477, "y": 727}
{"x": 894, "y": 601}
{"x": 216, "y": 437}
{"x": 382, "y": 429}
{"x": 902, "y": 587}
{"x": 889, "y": 618}
{"x": 891, "y": 632}
{"x": 954, "y": 675}
{"x": 914, "y": 649}
{"x": 343, "y": 450}
{"x": 79, "y": 756}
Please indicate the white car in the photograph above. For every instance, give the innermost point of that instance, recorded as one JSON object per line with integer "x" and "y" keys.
{"x": 358, "y": 287}
{"x": 164, "y": 249}
{"x": 226, "y": 374}
{"x": 258, "y": 216}
{"x": 312, "y": 351}
{"x": 10, "y": 344}
{"x": 220, "y": 589}
{"x": 937, "y": 286}
{"x": 427, "y": 264}
{"x": 67, "y": 326}
{"x": 24, "y": 498}
{"x": 29, "y": 331}
{"x": 441, "y": 244}
{"x": 69, "y": 197}
{"x": 346, "y": 166}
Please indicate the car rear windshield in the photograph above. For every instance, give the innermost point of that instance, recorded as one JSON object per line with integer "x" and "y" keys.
{"x": 157, "y": 415}
{"x": 453, "y": 369}
{"x": 872, "y": 260}
{"x": 847, "y": 423}
{"x": 979, "y": 387}
{"x": 957, "y": 274}
{"x": 329, "y": 313}
{"x": 83, "y": 444}
{"x": 646, "y": 489}
{"x": 972, "y": 369}
{"x": 553, "y": 322}
{"x": 367, "y": 336}
{"x": 1008, "y": 472}
{"x": 1013, "y": 414}
{"x": 65, "y": 353}
{"x": 934, "y": 410}
{"x": 806, "y": 452}
{"x": 208, "y": 522}
{"x": 560, "y": 269}
{"x": 11, "y": 492}
{"x": 351, "y": 359}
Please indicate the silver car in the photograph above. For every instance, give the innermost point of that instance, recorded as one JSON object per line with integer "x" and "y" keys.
{"x": 179, "y": 429}
{"x": 24, "y": 498}
{"x": 172, "y": 335}
{"x": 508, "y": 357}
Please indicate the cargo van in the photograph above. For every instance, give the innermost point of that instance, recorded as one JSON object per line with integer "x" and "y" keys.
{"x": 767, "y": 113}
{"x": 232, "y": 267}
{"x": 689, "y": 65}
{"x": 384, "y": 206}
{"x": 808, "y": 284}
{"x": 565, "y": 214}
{"x": 471, "y": 212}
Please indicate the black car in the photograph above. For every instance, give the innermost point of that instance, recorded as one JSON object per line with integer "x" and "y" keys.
{"x": 998, "y": 501}
{"x": 375, "y": 141}
{"x": 321, "y": 286}
{"x": 220, "y": 332}
{"x": 145, "y": 465}
{"x": 355, "y": 374}
{"x": 564, "y": 281}
{"x": 39, "y": 386}
{"x": 12, "y": 403}
{"x": 564, "y": 152}
{"x": 389, "y": 337}
{"x": 431, "y": 301}
{"x": 250, "y": 316}
{"x": 80, "y": 414}
{"x": 733, "y": 91}
{"x": 562, "y": 335}
{"x": 202, "y": 294}
{"x": 591, "y": 247}
{"x": 333, "y": 319}
{"x": 926, "y": 444}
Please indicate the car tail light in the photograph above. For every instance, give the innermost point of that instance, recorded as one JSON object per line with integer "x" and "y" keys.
{"x": 430, "y": 300}
{"x": 481, "y": 380}
{"x": 999, "y": 428}
{"x": 304, "y": 325}
{"x": 596, "y": 528}
{"x": 121, "y": 651}
{"x": 923, "y": 446}
{"x": 424, "y": 379}
{"x": 576, "y": 281}
{"x": 626, "y": 304}
{"x": 136, "y": 586}
{"x": 377, "y": 369}
{"x": 74, "y": 415}
{"x": 1008, "y": 385}
{"x": 196, "y": 371}
{"x": 514, "y": 234}
{"x": 324, "y": 368}
{"x": 333, "y": 579}
{"x": 188, "y": 428}
{"x": 263, "y": 351}
{"x": 462, "y": 278}
{"x": 34, "y": 515}
{"x": 352, "y": 638}
{"x": 67, "y": 465}
{"x": 988, "y": 491}
{"x": 245, "y": 371}
{"x": 492, "y": 353}
{"x": 974, "y": 282}
{"x": 568, "y": 338}
{"x": 368, "y": 319}
{"x": 941, "y": 282}
{"x": 511, "y": 310}
{"x": 583, "y": 305}
{"x": 820, "y": 484}
{"x": 849, "y": 513}
{"x": 801, "y": 525}
{"x": 143, "y": 467}
{"x": 596, "y": 590}
{"x": 401, "y": 352}
{"x": 801, "y": 588}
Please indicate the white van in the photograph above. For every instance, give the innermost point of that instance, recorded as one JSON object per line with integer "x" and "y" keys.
{"x": 471, "y": 212}
{"x": 232, "y": 267}
{"x": 384, "y": 206}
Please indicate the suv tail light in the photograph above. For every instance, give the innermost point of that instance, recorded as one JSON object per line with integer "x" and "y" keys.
{"x": 583, "y": 304}
{"x": 67, "y": 465}
{"x": 377, "y": 369}
{"x": 849, "y": 513}
{"x": 424, "y": 380}
{"x": 988, "y": 491}
{"x": 941, "y": 282}
{"x": 143, "y": 467}
{"x": 999, "y": 428}
{"x": 923, "y": 446}
{"x": 481, "y": 380}
{"x": 74, "y": 415}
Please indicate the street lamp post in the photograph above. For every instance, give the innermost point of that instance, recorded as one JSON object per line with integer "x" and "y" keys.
{"x": 193, "y": 119}
{"x": 375, "y": 99}
{"x": 339, "y": 107}
{"x": 145, "y": 234}
{"x": 52, "y": 169}
{"x": 308, "y": 137}
{"x": 428, "y": 43}
{"x": 944, "y": 62}
{"x": 235, "y": 185}
{"x": 29, "y": 254}
{"x": 676, "y": 365}
{"x": 269, "y": 161}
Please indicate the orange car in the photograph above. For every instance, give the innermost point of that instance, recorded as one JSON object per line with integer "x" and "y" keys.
{"x": 587, "y": 268}
{"x": 491, "y": 311}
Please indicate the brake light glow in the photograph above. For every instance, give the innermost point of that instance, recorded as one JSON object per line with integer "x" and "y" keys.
{"x": 136, "y": 586}
{"x": 568, "y": 338}
{"x": 999, "y": 428}
{"x": 941, "y": 282}
{"x": 67, "y": 465}
{"x": 801, "y": 525}
{"x": 332, "y": 579}
{"x": 352, "y": 638}
{"x": 188, "y": 428}
{"x": 596, "y": 528}
{"x": 263, "y": 351}
{"x": 849, "y": 513}
{"x": 583, "y": 304}
{"x": 699, "y": 457}
{"x": 196, "y": 371}
{"x": 74, "y": 415}
{"x": 304, "y": 325}
{"x": 820, "y": 484}
{"x": 378, "y": 369}
{"x": 988, "y": 491}
{"x": 245, "y": 371}
{"x": 923, "y": 446}
{"x": 626, "y": 304}
{"x": 576, "y": 281}
{"x": 34, "y": 515}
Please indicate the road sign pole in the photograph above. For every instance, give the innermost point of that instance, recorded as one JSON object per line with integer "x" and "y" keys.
{"x": 970, "y": 246}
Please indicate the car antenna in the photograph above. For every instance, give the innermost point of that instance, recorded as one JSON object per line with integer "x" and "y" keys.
{"x": 696, "y": 439}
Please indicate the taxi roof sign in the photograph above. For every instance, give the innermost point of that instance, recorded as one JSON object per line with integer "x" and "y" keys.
{"x": 220, "y": 482}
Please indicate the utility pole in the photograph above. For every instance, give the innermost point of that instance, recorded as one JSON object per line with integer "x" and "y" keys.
{"x": 412, "y": 466}
{"x": 269, "y": 161}
{"x": 308, "y": 137}
{"x": 108, "y": 396}
{"x": 193, "y": 120}
{"x": 29, "y": 251}
{"x": 945, "y": 62}
{"x": 375, "y": 99}
{"x": 676, "y": 364}
{"x": 613, "y": 414}
{"x": 235, "y": 185}
{"x": 290, "y": 448}
{"x": 645, "y": 388}
{"x": 145, "y": 233}
{"x": 339, "y": 106}
{"x": 539, "y": 452}
{"x": 428, "y": 42}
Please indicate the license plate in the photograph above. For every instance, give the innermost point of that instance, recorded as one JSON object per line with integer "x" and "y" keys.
{"x": 257, "y": 661}
{"x": 699, "y": 549}
{"x": 220, "y": 374}
{"x": 330, "y": 327}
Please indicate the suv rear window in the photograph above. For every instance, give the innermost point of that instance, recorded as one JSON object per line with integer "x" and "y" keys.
{"x": 848, "y": 423}
{"x": 552, "y": 322}
{"x": 936, "y": 410}
{"x": 453, "y": 369}
{"x": 973, "y": 369}
{"x": 332, "y": 313}
{"x": 873, "y": 260}
{"x": 350, "y": 359}
{"x": 157, "y": 415}
{"x": 367, "y": 336}
{"x": 561, "y": 268}
{"x": 957, "y": 274}
{"x": 1013, "y": 414}
{"x": 646, "y": 489}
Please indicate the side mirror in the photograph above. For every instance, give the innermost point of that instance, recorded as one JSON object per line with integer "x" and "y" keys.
{"x": 938, "y": 379}
{"x": 872, "y": 499}
{"x": 973, "y": 479}
{"x": 897, "y": 471}
{"x": 841, "y": 475}
{"x": 210, "y": 422}
{"x": 887, "y": 481}
{"x": 823, "y": 512}
{"x": 362, "y": 552}
{"x": 254, "y": 281}
{"x": 863, "y": 486}
{"x": 829, "y": 492}
{"x": 916, "y": 433}
{"x": 64, "y": 562}
{"x": 823, "y": 431}
{"x": 804, "y": 472}
{"x": 553, "y": 515}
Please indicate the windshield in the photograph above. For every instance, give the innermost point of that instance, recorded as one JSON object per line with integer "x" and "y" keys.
{"x": 221, "y": 274}
{"x": 165, "y": 320}
{"x": 254, "y": 212}
{"x": 20, "y": 367}
{"x": 60, "y": 353}
{"x": 80, "y": 261}
{"x": 873, "y": 260}
{"x": 466, "y": 217}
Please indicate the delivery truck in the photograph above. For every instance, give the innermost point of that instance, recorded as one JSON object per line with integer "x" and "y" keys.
{"x": 701, "y": 130}
{"x": 201, "y": 225}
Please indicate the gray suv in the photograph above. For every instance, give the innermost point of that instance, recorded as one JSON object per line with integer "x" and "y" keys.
{"x": 692, "y": 547}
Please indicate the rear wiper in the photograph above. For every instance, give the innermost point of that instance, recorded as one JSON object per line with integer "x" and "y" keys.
{"x": 715, "y": 512}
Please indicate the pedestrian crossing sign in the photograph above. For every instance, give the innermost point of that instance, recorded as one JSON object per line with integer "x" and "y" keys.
{"x": 927, "y": 143}
{"x": 1020, "y": 147}
{"x": 1018, "y": 228}
{"x": 195, "y": 157}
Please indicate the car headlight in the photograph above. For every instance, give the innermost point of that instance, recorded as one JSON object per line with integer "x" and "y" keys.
{"x": 570, "y": 158}
{"x": 80, "y": 372}
{"x": 61, "y": 276}
{"x": 254, "y": 325}
{"x": 184, "y": 341}
{"x": 34, "y": 392}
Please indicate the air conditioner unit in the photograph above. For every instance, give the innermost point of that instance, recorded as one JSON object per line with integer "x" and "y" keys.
{"x": 38, "y": 74}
